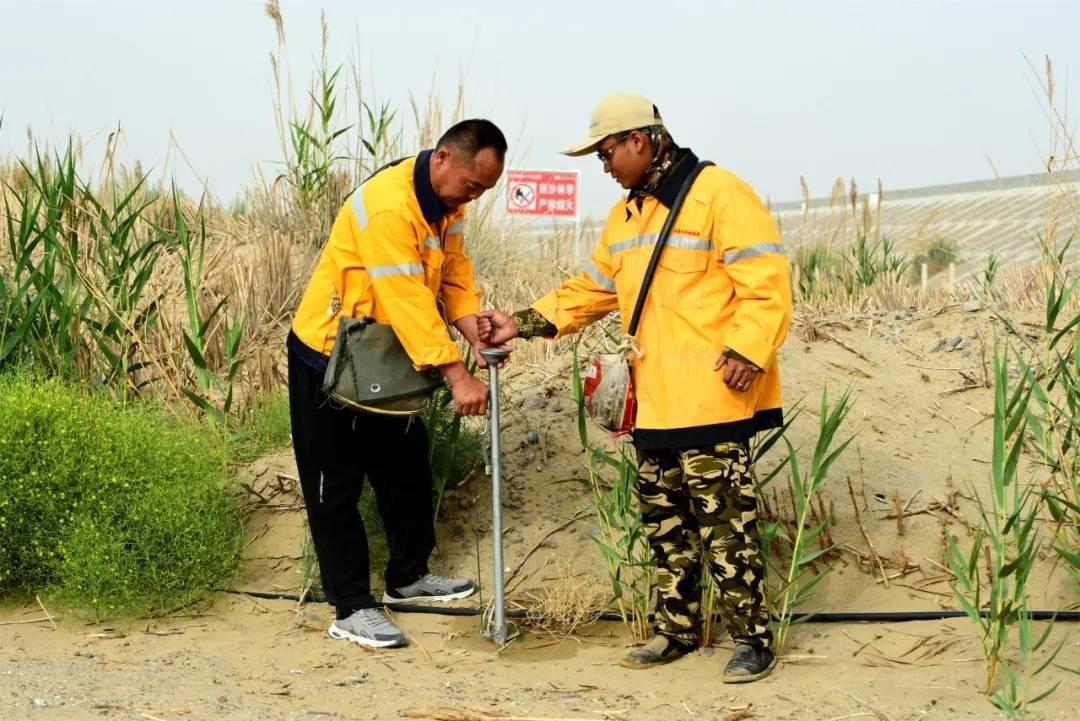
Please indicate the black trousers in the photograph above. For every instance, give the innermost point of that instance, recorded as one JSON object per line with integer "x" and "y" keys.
{"x": 335, "y": 449}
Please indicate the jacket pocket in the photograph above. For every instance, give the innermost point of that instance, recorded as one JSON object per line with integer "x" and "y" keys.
{"x": 679, "y": 278}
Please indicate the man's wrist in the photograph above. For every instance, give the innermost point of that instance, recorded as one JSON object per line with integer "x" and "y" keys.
{"x": 730, "y": 353}
{"x": 466, "y": 325}
{"x": 454, "y": 372}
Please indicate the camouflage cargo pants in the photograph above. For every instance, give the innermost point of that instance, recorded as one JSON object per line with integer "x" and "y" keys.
{"x": 696, "y": 501}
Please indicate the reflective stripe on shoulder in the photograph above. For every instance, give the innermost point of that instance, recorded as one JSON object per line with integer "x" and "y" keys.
{"x": 359, "y": 211}
{"x": 752, "y": 251}
{"x": 688, "y": 242}
{"x": 387, "y": 271}
{"x": 456, "y": 227}
{"x": 432, "y": 242}
{"x": 636, "y": 241}
{"x": 599, "y": 278}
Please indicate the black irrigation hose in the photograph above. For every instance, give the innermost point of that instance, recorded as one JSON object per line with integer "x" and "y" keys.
{"x": 839, "y": 617}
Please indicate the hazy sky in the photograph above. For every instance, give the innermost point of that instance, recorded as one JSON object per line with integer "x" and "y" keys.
{"x": 914, "y": 92}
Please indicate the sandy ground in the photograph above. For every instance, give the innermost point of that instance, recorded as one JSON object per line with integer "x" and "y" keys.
{"x": 238, "y": 657}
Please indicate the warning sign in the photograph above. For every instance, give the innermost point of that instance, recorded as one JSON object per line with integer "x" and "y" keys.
{"x": 523, "y": 197}
{"x": 543, "y": 192}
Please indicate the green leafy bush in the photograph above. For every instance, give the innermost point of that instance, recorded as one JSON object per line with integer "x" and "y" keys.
{"x": 937, "y": 253}
{"x": 106, "y": 507}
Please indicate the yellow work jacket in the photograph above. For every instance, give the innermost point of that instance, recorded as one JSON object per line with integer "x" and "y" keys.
{"x": 395, "y": 255}
{"x": 723, "y": 282}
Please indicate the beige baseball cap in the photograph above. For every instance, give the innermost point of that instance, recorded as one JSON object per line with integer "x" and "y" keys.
{"x": 616, "y": 113}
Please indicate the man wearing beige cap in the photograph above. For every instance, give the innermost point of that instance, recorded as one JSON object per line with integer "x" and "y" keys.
{"x": 707, "y": 378}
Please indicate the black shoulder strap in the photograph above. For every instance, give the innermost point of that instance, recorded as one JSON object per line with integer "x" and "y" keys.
{"x": 661, "y": 241}
{"x": 378, "y": 170}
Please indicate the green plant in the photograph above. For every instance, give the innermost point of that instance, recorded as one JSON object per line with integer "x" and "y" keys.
{"x": 265, "y": 426}
{"x": 818, "y": 264}
{"x": 310, "y": 141}
{"x": 1008, "y": 541}
{"x": 44, "y": 302}
{"x": 124, "y": 258}
{"x": 708, "y": 603}
{"x": 871, "y": 261}
{"x": 22, "y": 274}
{"x": 937, "y": 254}
{"x": 191, "y": 248}
{"x": 619, "y": 534}
{"x": 378, "y": 140}
{"x": 989, "y": 274}
{"x": 1056, "y": 430}
{"x": 803, "y": 545}
{"x": 1053, "y": 416}
{"x": 1037, "y": 412}
{"x": 1018, "y": 692}
{"x": 453, "y": 448}
{"x": 579, "y": 398}
{"x": 109, "y": 508}
{"x": 310, "y": 577}
{"x": 75, "y": 297}
{"x": 825, "y": 271}
{"x": 1055, "y": 380}
{"x": 314, "y": 140}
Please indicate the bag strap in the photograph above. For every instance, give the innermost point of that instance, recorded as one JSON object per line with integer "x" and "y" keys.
{"x": 661, "y": 241}
{"x": 344, "y": 353}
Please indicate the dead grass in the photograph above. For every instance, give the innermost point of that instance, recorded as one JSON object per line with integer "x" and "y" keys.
{"x": 260, "y": 253}
{"x": 260, "y": 258}
{"x": 568, "y": 601}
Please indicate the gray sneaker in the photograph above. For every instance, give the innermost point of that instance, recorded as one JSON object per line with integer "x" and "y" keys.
{"x": 431, "y": 587}
{"x": 368, "y": 627}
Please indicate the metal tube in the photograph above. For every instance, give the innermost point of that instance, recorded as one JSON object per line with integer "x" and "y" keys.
{"x": 497, "y": 632}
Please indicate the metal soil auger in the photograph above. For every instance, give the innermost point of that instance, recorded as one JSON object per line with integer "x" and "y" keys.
{"x": 496, "y": 628}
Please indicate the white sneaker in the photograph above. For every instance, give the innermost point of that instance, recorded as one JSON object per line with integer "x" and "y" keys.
{"x": 431, "y": 587}
{"x": 368, "y": 627}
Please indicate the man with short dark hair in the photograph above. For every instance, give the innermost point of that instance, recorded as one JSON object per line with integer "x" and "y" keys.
{"x": 395, "y": 254}
{"x": 707, "y": 378}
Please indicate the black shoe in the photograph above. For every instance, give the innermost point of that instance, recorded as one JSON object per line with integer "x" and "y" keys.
{"x": 748, "y": 663}
{"x": 659, "y": 650}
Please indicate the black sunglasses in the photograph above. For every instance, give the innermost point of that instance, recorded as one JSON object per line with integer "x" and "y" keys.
{"x": 605, "y": 153}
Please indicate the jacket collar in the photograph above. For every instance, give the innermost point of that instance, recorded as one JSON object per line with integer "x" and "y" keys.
{"x": 430, "y": 206}
{"x": 669, "y": 187}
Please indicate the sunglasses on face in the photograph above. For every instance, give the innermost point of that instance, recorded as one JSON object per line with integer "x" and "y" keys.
{"x": 604, "y": 154}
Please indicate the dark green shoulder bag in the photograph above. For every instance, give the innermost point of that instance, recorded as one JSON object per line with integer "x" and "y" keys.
{"x": 370, "y": 371}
